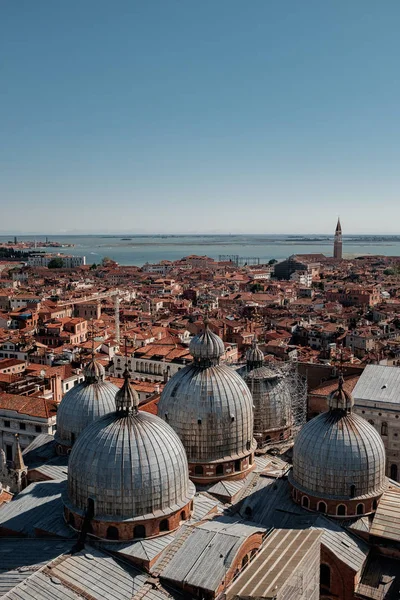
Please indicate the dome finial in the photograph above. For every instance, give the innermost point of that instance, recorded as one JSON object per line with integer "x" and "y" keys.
{"x": 254, "y": 356}
{"x": 127, "y": 398}
{"x": 207, "y": 347}
{"x": 341, "y": 399}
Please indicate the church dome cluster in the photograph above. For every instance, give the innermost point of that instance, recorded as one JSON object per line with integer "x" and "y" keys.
{"x": 130, "y": 469}
{"x": 338, "y": 461}
{"x": 211, "y": 409}
{"x": 83, "y": 404}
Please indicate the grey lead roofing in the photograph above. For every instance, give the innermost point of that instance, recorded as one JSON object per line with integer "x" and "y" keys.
{"x": 90, "y": 573}
{"x": 211, "y": 409}
{"x": 20, "y": 558}
{"x": 386, "y": 522}
{"x": 347, "y": 548}
{"x": 208, "y": 551}
{"x": 39, "y": 506}
{"x": 378, "y": 383}
{"x": 336, "y": 451}
{"x": 83, "y": 404}
{"x": 133, "y": 466}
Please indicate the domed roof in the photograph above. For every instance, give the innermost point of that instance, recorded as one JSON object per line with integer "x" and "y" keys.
{"x": 338, "y": 450}
{"x": 207, "y": 348}
{"x": 131, "y": 463}
{"x": 271, "y": 397}
{"x": 211, "y": 409}
{"x": 254, "y": 356}
{"x": 84, "y": 403}
{"x": 94, "y": 371}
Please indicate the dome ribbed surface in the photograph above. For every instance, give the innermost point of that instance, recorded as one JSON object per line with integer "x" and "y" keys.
{"x": 207, "y": 346}
{"x": 94, "y": 371}
{"x": 83, "y": 404}
{"x": 131, "y": 466}
{"x": 211, "y": 410}
{"x": 335, "y": 451}
{"x": 271, "y": 398}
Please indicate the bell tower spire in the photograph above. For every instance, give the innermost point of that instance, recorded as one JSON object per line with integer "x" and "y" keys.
{"x": 337, "y": 244}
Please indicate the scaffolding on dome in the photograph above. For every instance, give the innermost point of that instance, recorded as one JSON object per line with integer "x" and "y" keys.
{"x": 298, "y": 392}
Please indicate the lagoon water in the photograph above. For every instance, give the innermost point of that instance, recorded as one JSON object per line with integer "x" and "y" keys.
{"x": 139, "y": 249}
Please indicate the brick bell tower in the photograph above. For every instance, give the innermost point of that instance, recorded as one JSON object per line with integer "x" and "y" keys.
{"x": 337, "y": 244}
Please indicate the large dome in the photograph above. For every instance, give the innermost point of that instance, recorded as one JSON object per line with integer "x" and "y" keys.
{"x": 339, "y": 456}
{"x": 134, "y": 468}
{"x": 211, "y": 409}
{"x": 83, "y": 404}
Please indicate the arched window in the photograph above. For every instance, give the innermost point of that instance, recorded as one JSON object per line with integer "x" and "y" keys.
{"x": 71, "y": 520}
{"x": 325, "y": 576}
{"x": 245, "y": 561}
{"x": 352, "y": 491}
{"x": 281, "y": 436}
{"x": 112, "y": 533}
{"x": 360, "y": 509}
{"x": 139, "y": 531}
{"x": 198, "y": 470}
{"x": 267, "y": 439}
{"x": 305, "y": 502}
{"x": 374, "y": 505}
{"x": 238, "y": 465}
{"x": 341, "y": 510}
{"x": 384, "y": 428}
{"x": 393, "y": 472}
{"x": 183, "y": 516}
{"x": 321, "y": 507}
{"x": 219, "y": 470}
{"x": 164, "y": 525}
{"x": 248, "y": 511}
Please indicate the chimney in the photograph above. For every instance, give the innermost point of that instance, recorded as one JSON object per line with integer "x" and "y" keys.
{"x": 56, "y": 388}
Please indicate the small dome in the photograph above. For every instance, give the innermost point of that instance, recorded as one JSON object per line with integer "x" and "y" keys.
{"x": 94, "y": 371}
{"x": 254, "y": 356}
{"x": 207, "y": 348}
{"x": 211, "y": 409}
{"x": 83, "y": 404}
{"x": 133, "y": 465}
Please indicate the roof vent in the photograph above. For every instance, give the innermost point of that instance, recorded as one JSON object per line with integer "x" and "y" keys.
{"x": 384, "y": 386}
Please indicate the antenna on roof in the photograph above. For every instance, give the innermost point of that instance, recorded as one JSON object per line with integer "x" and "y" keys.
{"x": 92, "y": 327}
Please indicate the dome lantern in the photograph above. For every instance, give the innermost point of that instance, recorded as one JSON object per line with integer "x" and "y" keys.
{"x": 127, "y": 398}
{"x": 254, "y": 356}
{"x": 206, "y": 348}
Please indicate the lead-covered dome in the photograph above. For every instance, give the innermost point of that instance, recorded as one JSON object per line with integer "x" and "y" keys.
{"x": 273, "y": 418}
{"x": 207, "y": 348}
{"x": 83, "y": 404}
{"x": 132, "y": 466}
{"x": 211, "y": 409}
{"x": 339, "y": 457}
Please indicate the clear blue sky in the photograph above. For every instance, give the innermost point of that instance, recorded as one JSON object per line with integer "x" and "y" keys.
{"x": 200, "y": 116}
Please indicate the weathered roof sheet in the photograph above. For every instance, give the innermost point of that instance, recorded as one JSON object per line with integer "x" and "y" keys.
{"x": 20, "y": 558}
{"x": 42, "y": 448}
{"x": 378, "y": 383}
{"x": 380, "y": 579}
{"x": 206, "y": 554}
{"x": 57, "y": 468}
{"x": 144, "y": 549}
{"x": 88, "y": 573}
{"x": 272, "y": 568}
{"x": 386, "y": 521}
{"x": 349, "y": 549}
{"x": 203, "y": 505}
{"x": 38, "y": 506}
